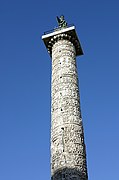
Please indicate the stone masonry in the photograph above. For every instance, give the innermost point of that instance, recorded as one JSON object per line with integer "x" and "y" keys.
{"x": 68, "y": 155}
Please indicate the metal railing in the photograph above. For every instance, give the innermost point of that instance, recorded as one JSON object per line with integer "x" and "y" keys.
{"x": 57, "y": 29}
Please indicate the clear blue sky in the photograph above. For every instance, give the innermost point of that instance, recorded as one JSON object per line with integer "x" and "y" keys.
{"x": 25, "y": 75}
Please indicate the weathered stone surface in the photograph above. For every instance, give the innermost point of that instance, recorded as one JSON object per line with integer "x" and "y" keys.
{"x": 68, "y": 156}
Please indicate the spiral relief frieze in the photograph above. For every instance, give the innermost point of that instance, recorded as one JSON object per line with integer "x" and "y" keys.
{"x": 68, "y": 156}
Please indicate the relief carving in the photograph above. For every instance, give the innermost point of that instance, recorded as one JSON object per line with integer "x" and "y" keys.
{"x": 67, "y": 137}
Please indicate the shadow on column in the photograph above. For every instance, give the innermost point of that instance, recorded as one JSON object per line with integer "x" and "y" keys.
{"x": 69, "y": 174}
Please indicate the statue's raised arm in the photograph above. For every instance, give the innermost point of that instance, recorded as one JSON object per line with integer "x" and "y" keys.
{"x": 61, "y": 21}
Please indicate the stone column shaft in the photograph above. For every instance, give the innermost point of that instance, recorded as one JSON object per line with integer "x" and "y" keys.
{"x": 68, "y": 155}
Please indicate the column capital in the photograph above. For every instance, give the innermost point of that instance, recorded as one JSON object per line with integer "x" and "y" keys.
{"x": 68, "y": 33}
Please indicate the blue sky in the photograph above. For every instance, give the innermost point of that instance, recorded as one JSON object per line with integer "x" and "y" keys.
{"x": 25, "y": 76}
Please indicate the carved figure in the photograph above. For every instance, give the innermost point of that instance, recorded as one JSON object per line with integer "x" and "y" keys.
{"x": 61, "y": 21}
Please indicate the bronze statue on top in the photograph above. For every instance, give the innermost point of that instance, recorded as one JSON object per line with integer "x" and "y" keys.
{"x": 61, "y": 22}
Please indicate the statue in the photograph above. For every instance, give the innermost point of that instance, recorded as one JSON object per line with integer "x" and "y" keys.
{"x": 61, "y": 22}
